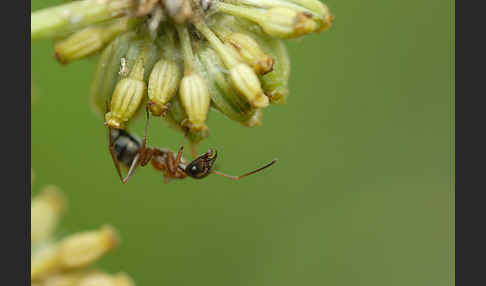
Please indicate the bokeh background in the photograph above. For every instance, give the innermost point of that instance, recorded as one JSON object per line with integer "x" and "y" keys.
{"x": 361, "y": 192}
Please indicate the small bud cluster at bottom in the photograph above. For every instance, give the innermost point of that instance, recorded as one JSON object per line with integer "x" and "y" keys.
{"x": 66, "y": 261}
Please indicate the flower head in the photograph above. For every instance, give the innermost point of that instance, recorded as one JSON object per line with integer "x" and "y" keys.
{"x": 182, "y": 57}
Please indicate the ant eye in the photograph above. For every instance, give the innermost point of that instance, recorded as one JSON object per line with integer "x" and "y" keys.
{"x": 201, "y": 166}
{"x": 198, "y": 169}
{"x": 195, "y": 170}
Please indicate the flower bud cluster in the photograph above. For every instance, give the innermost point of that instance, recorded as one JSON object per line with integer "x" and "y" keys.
{"x": 66, "y": 261}
{"x": 182, "y": 58}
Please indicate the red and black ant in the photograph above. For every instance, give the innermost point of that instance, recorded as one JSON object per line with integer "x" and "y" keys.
{"x": 132, "y": 152}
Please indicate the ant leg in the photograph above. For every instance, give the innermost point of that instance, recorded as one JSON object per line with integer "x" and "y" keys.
{"x": 166, "y": 180}
{"x": 144, "y": 154}
{"x": 179, "y": 153}
{"x": 132, "y": 169}
{"x": 246, "y": 174}
{"x": 193, "y": 151}
{"x": 111, "y": 148}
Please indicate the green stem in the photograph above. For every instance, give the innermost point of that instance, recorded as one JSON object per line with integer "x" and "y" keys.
{"x": 187, "y": 53}
{"x": 58, "y": 20}
{"x": 216, "y": 44}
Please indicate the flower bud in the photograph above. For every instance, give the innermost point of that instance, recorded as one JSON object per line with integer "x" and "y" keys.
{"x": 223, "y": 96}
{"x": 177, "y": 115}
{"x": 287, "y": 23}
{"x": 247, "y": 83}
{"x": 89, "y": 40}
{"x": 80, "y": 44}
{"x": 107, "y": 72}
{"x": 250, "y": 52}
{"x": 46, "y": 209}
{"x": 280, "y": 22}
{"x": 70, "y": 278}
{"x": 59, "y": 20}
{"x": 45, "y": 261}
{"x": 255, "y": 119}
{"x": 242, "y": 76}
{"x": 128, "y": 95}
{"x": 275, "y": 82}
{"x": 195, "y": 99}
{"x": 81, "y": 249}
{"x": 162, "y": 86}
{"x": 126, "y": 99}
{"x": 325, "y": 20}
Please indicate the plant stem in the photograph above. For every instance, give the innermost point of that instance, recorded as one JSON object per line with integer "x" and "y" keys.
{"x": 187, "y": 52}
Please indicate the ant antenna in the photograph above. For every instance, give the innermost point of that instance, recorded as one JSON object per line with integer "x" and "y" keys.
{"x": 246, "y": 174}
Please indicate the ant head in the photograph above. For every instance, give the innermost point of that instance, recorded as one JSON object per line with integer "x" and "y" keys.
{"x": 201, "y": 166}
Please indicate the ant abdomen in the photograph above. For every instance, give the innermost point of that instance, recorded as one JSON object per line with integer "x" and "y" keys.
{"x": 126, "y": 146}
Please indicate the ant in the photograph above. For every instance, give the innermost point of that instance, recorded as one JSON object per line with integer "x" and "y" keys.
{"x": 132, "y": 152}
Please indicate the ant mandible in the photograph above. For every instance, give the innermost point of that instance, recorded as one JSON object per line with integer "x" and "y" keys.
{"x": 131, "y": 152}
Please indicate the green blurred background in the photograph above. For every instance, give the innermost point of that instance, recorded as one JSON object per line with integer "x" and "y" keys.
{"x": 361, "y": 192}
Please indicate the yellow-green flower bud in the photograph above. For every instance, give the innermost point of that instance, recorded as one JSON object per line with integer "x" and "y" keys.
{"x": 162, "y": 86}
{"x": 107, "y": 73}
{"x": 44, "y": 262}
{"x": 325, "y": 20}
{"x": 280, "y": 22}
{"x": 177, "y": 115}
{"x": 255, "y": 119}
{"x": 59, "y": 20}
{"x": 223, "y": 96}
{"x": 80, "y": 44}
{"x": 242, "y": 76}
{"x": 70, "y": 278}
{"x": 275, "y": 83}
{"x": 81, "y": 249}
{"x": 250, "y": 52}
{"x": 287, "y": 23}
{"x": 247, "y": 83}
{"x": 127, "y": 96}
{"x": 46, "y": 209}
{"x": 195, "y": 99}
{"x": 90, "y": 40}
